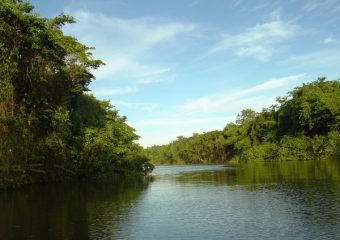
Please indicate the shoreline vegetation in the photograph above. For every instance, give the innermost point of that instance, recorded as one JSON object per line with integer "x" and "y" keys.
{"x": 304, "y": 125}
{"x": 51, "y": 128}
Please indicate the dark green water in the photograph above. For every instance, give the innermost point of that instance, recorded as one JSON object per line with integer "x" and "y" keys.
{"x": 291, "y": 200}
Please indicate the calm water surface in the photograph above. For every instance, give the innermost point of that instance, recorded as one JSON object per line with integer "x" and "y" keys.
{"x": 292, "y": 200}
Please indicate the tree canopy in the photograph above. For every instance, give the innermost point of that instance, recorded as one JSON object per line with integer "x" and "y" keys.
{"x": 305, "y": 124}
{"x": 50, "y": 128}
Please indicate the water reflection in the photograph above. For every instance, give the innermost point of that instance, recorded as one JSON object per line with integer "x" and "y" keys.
{"x": 67, "y": 211}
{"x": 297, "y": 200}
{"x": 258, "y": 173}
{"x": 288, "y": 200}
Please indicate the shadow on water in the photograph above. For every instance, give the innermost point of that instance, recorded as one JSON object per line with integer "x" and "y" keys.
{"x": 67, "y": 211}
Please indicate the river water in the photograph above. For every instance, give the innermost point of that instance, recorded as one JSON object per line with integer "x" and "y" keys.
{"x": 290, "y": 200}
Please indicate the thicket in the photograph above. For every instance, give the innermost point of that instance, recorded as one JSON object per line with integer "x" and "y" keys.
{"x": 51, "y": 129}
{"x": 304, "y": 125}
{"x": 199, "y": 149}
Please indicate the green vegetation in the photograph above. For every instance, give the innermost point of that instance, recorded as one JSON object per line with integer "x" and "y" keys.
{"x": 304, "y": 125}
{"x": 199, "y": 149}
{"x": 50, "y": 129}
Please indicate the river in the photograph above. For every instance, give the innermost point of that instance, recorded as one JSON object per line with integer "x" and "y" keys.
{"x": 287, "y": 200}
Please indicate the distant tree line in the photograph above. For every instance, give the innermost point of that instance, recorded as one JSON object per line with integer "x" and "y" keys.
{"x": 304, "y": 125}
{"x": 50, "y": 128}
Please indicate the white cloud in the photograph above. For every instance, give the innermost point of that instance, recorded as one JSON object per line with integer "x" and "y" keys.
{"x": 114, "y": 91}
{"x": 259, "y": 41}
{"x": 124, "y": 44}
{"x": 235, "y": 101}
{"x": 135, "y": 105}
{"x": 177, "y": 122}
{"x": 225, "y": 104}
{"x": 143, "y": 32}
{"x": 322, "y": 60}
{"x": 260, "y": 52}
{"x": 236, "y": 3}
{"x": 318, "y": 5}
{"x": 194, "y": 3}
{"x": 163, "y": 131}
{"x": 329, "y": 39}
{"x": 129, "y": 67}
{"x": 155, "y": 79}
{"x": 149, "y": 80}
{"x": 275, "y": 83}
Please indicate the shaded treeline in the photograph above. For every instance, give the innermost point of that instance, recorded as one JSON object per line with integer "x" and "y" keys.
{"x": 50, "y": 129}
{"x": 303, "y": 125}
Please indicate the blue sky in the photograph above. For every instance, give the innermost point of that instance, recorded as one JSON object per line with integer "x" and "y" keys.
{"x": 176, "y": 67}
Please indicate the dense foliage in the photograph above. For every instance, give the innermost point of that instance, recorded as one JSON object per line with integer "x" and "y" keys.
{"x": 198, "y": 149}
{"x": 50, "y": 129}
{"x": 303, "y": 125}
